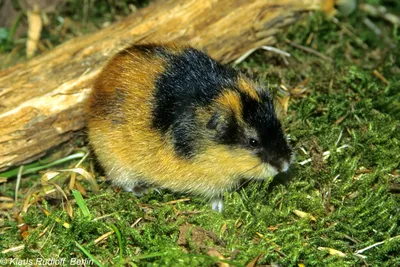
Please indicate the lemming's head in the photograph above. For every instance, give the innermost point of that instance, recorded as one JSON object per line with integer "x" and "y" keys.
{"x": 244, "y": 120}
{"x": 196, "y": 96}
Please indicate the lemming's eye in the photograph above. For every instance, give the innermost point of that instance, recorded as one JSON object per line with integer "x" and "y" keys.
{"x": 253, "y": 142}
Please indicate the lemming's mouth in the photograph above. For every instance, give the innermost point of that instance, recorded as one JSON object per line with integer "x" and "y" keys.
{"x": 268, "y": 171}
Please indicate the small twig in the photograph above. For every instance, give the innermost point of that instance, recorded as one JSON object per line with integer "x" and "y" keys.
{"x": 285, "y": 61}
{"x": 47, "y": 238}
{"x": 336, "y": 177}
{"x": 177, "y": 201}
{"x": 360, "y": 251}
{"x": 73, "y": 175}
{"x": 339, "y": 138}
{"x": 275, "y": 50}
{"x": 350, "y": 33}
{"x": 105, "y": 216}
{"x": 338, "y": 121}
{"x": 6, "y": 199}
{"x": 304, "y": 150}
{"x": 19, "y": 176}
{"x": 280, "y": 253}
{"x": 380, "y": 77}
{"x": 372, "y": 26}
{"x": 265, "y": 47}
{"x": 357, "y": 118}
{"x": 369, "y": 247}
{"x": 82, "y": 159}
{"x": 351, "y": 239}
{"x": 360, "y": 256}
{"x": 380, "y": 11}
{"x": 102, "y": 237}
{"x": 309, "y": 50}
{"x": 136, "y": 222}
{"x": 13, "y": 249}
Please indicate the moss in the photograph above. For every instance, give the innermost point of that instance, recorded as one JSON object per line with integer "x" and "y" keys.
{"x": 347, "y": 194}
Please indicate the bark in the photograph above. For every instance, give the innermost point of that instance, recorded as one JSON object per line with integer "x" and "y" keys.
{"x": 41, "y": 100}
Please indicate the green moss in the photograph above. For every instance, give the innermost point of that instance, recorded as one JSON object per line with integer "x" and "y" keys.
{"x": 347, "y": 194}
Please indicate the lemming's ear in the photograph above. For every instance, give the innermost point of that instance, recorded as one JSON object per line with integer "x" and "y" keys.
{"x": 220, "y": 121}
{"x": 213, "y": 122}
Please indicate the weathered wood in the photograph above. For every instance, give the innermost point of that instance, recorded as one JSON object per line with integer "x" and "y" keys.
{"x": 41, "y": 101}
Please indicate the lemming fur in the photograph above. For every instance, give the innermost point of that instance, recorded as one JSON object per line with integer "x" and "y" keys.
{"x": 170, "y": 116}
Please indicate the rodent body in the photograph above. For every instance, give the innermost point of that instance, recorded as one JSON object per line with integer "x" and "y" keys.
{"x": 172, "y": 117}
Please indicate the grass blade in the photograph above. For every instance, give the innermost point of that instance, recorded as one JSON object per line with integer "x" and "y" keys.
{"x": 90, "y": 256}
{"x": 116, "y": 231}
{"x": 81, "y": 203}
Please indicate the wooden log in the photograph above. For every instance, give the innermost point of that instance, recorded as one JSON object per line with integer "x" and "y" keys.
{"x": 41, "y": 101}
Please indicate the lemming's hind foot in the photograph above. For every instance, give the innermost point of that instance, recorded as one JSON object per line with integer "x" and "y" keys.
{"x": 137, "y": 190}
{"x": 217, "y": 204}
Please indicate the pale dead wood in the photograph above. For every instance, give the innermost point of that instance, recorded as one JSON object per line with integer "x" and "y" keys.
{"x": 41, "y": 101}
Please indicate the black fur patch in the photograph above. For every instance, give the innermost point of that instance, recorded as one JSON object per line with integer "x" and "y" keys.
{"x": 191, "y": 80}
{"x": 183, "y": 129}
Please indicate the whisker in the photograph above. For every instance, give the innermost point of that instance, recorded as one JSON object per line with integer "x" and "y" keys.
{"x": 245, "y": 181}
{"x": 252, "y": 168}
{"x": 248, "y": 180}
